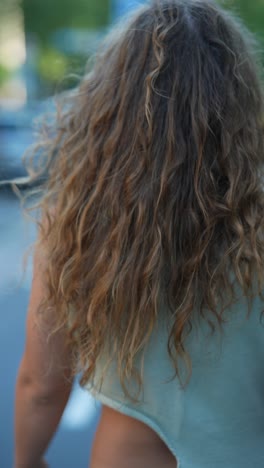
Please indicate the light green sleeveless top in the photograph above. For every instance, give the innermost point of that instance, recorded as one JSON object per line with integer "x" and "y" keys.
{"x": 218, "y": 419}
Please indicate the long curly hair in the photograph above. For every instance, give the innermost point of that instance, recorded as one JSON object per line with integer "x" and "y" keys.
{"x": 155, "y": 186}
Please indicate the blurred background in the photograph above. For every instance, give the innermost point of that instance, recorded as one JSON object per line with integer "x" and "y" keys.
{"x": 44, "y": 46}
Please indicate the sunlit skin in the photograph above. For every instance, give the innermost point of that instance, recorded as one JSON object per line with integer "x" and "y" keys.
{"x": 124, "y": 441}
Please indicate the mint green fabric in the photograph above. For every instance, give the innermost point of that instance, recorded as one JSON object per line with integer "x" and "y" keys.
{"x": 218, "y": 420}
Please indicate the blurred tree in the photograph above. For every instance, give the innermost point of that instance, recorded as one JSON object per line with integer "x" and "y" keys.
{"x": 4, "y": 74}
{"x": 44, "y": 17}
{"x": 251, "y": 12}
{"x": 52, "y": 65}
{"x": 47, "y": 62}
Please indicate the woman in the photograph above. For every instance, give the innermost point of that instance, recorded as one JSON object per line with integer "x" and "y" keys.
{"x": 148, "y": 271}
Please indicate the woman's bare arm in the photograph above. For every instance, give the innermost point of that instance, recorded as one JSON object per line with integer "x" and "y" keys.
{"x": 44, "y": 381}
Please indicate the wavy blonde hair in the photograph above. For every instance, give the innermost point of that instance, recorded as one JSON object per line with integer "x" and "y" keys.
{"x": 155, "y": 172}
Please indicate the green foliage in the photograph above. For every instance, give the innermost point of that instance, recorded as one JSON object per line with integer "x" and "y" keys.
{"x": 58, "y": 71}
{"x": 251, "y": 12}
{"x": 52, "y": 65}
{"x": 42, "y": 17}
{"x": 4, "y": 74}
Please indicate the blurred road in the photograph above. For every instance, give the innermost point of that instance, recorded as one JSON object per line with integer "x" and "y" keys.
{"x": 72, "y": 443}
